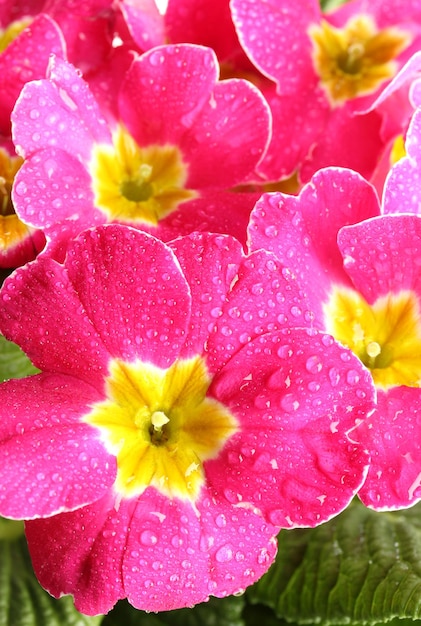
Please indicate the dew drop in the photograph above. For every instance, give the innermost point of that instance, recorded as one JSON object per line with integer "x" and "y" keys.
{"x": 295, "y": 311}
{"x": 147, "y": 538}
{"x": 352, "y": 377}
{"x": 20, "y": 429}
{"x": 289, "y": 403}
{"x": 271, "y": 231}
{"x": 314, "y": 365}
{"x": 21, "y": 188}
{"x": 221, "y": 520}
{"x": 224, "y": 554}
{"x": 334, "y": 376}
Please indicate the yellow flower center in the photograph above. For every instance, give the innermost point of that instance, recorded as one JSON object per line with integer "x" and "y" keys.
{"x": 12, "y": 31}
{"x": 135, "y": 184}
{"x": 12, "y": 229}
{"x": 386, "y": 335}
{"x": 161, "y": 426}
{"x": 356, "y": 59}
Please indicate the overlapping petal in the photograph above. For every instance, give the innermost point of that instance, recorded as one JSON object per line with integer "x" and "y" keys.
{"x": 382, "y": 255}
{"x": 51, "y": 461}
{"x": 50, "y": 323}
{"x": 394, "y": 433}
{"x": 25, "y": 59}
{"x": 139, "y": 274}
{"x": 302, "y": 230}
{"x": 403, "y": 186}
{"x": 58, "y": 112}
{"x": 300, "y": 393}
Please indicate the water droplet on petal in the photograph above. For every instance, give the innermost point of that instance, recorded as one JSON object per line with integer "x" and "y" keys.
{"x": 352, "y": 377}
{"x": 147, "y": 538}
{"x": 224, "y": 554}
{"x": 334, "y": 376}
{"x": 314, "y": 365}
{"x": 221, "y": 520}
{"x": 289, "y": 403}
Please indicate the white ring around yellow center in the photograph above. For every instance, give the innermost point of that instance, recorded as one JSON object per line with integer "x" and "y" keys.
{"x": 161, "y": 426}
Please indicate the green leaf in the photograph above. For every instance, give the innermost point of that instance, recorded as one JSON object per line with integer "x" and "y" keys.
{"x": 22, "y": 600}
{"x": 362, "y": 567}
{"x": 216, "y": 612}
{"x": 13, "y": 362}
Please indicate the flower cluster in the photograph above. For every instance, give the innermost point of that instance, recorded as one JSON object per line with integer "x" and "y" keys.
{"x": 225, "y": 318}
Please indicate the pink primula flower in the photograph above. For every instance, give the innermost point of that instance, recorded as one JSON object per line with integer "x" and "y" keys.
{"x": 181, "y": 141}
{"x": 179, "y": 420}
{"x": 359, "y": 271}
{"x": 328, "y": 68}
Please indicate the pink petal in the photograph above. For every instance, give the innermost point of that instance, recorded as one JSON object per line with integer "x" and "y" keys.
{"x": 16, "y": 9}
{"x": 133, "y": 291}
{"x": 298, "y": 122}
{"x": 292, "y": 393}
{"x": 386, "y": 12}
{"x": 58, "y": 112}
{"x": 87, "y": 29}
{"x": 51, "y": 461}
{"x": 158, "y": 552}
{"x": 52, "y": 185}
{"x": 81, "y": 553}
{"x": 382, "y": 254}
{"x": 210, "y": 26}
{"x": 263, "y": 298}
{"x": 42, "y": 313}
{"x": 107, "y": 79}
{"x": 354, "y": 132}
{"x": 165, "y": 90}
{"x": 240, "y": 544}
{"x": 302, "y": 231}
{"x": 402, "y": 191}
{"x": 234, "y": 298}
{"x": 26, "y": 58}
{"x": 144, "y": 21}
{"x": 214, "y": 211}
{"x": 170, "y": 96}
{"x": 229, "y": 136}
{"x": 209, "y": 263}
{"x": 274, "y": 36}
{"x": 393, "y": 436}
